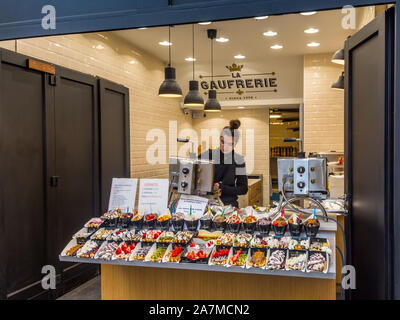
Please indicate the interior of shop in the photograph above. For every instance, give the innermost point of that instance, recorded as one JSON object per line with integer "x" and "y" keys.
{"x": 275, "y": 74}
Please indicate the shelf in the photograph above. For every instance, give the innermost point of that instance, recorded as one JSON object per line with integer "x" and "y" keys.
{"x": 331, "y": 274}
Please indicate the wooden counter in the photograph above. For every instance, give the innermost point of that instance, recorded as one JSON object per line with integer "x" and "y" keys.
{"x": 136, "y": 283}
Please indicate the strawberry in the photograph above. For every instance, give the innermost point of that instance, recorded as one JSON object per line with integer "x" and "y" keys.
{"x": 118, "y": 251}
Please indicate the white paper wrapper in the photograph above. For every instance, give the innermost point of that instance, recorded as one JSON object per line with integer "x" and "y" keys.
{"x": 210, "y": 262}
{"x": 105, "y": 243}
{"x": 288, "y": 258}
{"x": 97, "y": 233}
{"x": 150, "y": 253}
{"x": 138, "y": 246}
{"x": 81, "y": 231}
{"x": 303, "y": 241}
{"x": 248, "y": 265}
{"x": 70, "y": 244}
{"x": 87, "y": 247}
{"x": 270, "y": 253}
{"x": 115, "y": 256}
{"x": 231, "y": 255}
{"x": 327, "y": 262}
{"x": 87, "y": 223}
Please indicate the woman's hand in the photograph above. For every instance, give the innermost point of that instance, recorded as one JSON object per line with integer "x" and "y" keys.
{"x": 216, "y": 186}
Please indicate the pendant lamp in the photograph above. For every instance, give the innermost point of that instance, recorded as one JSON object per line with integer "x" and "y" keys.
{"x": 339, "y": 84}
{"x": 170, "y": 88}
{"x": 212, "y": 104}
{"x": 193, "y": 97}
{"x": 338, "y": 57}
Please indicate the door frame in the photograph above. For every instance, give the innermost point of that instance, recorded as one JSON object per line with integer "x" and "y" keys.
{"x": 366, "y": 33}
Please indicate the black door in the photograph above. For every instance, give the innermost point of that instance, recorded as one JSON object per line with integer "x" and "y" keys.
{"x": 369, "y": 155}
{"x": 76, "y": 153}
{"x": 22, "y": 176}
{"x": 114, "y": 136}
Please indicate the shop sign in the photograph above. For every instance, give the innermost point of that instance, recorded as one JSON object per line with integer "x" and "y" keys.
{"x": 237, "y": 84}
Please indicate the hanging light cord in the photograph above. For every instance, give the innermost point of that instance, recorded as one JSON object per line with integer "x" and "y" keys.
{"x": 193, "y": 47}
{"x": 169, "y": 46}
{"x": 212, "y": 60}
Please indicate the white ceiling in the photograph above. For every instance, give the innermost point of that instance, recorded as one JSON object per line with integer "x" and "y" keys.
{"x": 246, "y": 37}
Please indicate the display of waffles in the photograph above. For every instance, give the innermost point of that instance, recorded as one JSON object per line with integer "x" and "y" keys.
{"x": 243, "y": 240}
{"x": 174, "y": 255}
{"x": 166, "y": 237}
{"x": 225, "y": 239}
{"x": 299, "y": 244}
{"x": 71, "y": 252}
{"x": 257, "y": 259}
{"x": 220, "y": 256}
{"x": 140, "y": 253}
{"x": 276, "y": 260}
{"x": 297, "y": 260}
{"x": 239, "y": 257}
{"x": 320, "y": 244}
{"x": 101, "y": 234}
{"x": 317, "y": 261}
{"x": 107, "y": 250}
{"x": 88, "y": 250}
{"x": 123, "y": 251}
{"x": 183, "y": 237}
{"x": 278, "y": 242}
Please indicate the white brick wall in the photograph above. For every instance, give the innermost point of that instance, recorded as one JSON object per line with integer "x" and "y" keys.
{"x": 124, "y": 64}
{"x": 323, "y": 106}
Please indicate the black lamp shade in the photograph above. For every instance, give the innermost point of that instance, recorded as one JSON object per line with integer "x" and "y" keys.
{"x": 339, "y": 84}
{"x": 170, "y": 88}
{"x": 212, "y": 104}
{"x": 338, "y": 57}
{"x": 193, "y": 97}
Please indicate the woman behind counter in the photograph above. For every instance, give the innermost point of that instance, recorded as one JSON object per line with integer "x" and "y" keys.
{"x": 230, "y": 170}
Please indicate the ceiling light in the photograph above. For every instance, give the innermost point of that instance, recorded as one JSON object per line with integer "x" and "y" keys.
{"x": 222, "y": 39}
{"x": 132, "y": 62}
{"x": 239, "y": 56}
{"x": 193, "y": 98}
{"x": 313, "y": 44}
{"x": 240, "y": 107}
{"x": 205, "y": 23}
{"x": 165, "y": 43}
{"x": 275, "y": 116}
{"x": 339, "y": 84}
{"x": 311, "y": 30}
{"x": 276, "y": 47}
{"x": 99, "y": 47}
{"x": 338, "y": 57}
{"x": 190, "y": 59}
{"x": 212, "y": 104}
{"x": 170, "y": 87}
{"x": 261, "y": 18}
{"x": 270, "y": 33}
{"x": 308, "y": 13}
{"x": 143, "y": 28}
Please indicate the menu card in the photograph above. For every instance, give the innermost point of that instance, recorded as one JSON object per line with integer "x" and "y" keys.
{"x": 196, "y": 203}
{"x": 123, "y": 194}
{"x": 153, "y": 195}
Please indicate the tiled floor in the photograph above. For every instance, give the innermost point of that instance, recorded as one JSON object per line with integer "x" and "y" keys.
{"x": 90, "y": 290}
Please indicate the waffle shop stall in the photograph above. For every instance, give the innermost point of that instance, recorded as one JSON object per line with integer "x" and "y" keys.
{"x": 181, "y": 242}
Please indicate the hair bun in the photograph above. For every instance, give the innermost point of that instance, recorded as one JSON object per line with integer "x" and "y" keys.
{"x": 234, "y": 124}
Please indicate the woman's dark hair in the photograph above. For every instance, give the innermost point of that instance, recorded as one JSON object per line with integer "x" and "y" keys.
{"x": 231, "y": 130}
